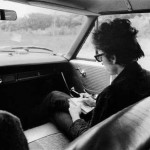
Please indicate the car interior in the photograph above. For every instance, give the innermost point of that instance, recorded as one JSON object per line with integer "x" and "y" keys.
{"x": 29, "y": 71}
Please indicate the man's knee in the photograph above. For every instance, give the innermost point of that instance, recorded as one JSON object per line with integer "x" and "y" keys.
{"x": 54, "y": 94}
{"x": 57, "y": 100}
{"x": 11, "y": 133}
{"x": 51, "y": 95}
{"x": 50, "y": 99}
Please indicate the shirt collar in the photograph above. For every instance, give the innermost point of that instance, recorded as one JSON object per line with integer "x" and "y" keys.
{"x": 130, "y": 71}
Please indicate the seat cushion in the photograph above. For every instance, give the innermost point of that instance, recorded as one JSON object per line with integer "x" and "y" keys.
{"x": 46, "y": 136}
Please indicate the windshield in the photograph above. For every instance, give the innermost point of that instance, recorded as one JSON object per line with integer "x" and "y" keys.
{"x": 39, "y": 27}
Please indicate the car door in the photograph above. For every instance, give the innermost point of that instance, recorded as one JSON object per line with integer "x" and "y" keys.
{"x": 93, "y": 76}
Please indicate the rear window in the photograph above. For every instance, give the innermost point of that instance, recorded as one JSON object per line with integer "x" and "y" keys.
{"x": 140, "y": 21}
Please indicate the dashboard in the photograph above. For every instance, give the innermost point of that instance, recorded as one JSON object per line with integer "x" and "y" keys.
{"x": 11, "y": 59}
{"x": 29, "y": 67}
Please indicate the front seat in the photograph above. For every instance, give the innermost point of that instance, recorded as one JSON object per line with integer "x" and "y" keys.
{"x": 129, "y": 129}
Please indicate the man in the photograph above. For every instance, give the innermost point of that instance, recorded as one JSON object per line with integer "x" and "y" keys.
{"x": 116, "y": 46}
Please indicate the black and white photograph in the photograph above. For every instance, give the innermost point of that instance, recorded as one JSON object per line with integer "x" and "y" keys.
{"x": 74, "y": 74}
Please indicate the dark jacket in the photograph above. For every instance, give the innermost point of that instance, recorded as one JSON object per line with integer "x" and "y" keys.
{"x": 130, "y": 86}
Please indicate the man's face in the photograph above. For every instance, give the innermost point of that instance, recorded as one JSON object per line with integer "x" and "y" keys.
{"x": 109, "y": 63}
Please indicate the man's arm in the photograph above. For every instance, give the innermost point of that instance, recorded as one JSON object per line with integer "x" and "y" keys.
{"x": 79, "y": 125}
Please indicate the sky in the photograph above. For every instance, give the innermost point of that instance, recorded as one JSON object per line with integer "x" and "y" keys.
{"x": 22, "y": 9}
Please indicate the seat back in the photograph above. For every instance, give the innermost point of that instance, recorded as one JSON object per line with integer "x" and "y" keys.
{"x": 11, "y": 133}
{"x": 129, "y": 129}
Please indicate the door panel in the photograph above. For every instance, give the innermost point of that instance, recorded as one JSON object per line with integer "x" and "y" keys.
{"x": 93, "y": 76}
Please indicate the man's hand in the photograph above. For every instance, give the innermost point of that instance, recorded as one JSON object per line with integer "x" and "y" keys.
{"x": 75, "y": 111}
{"x": 88, "y": 100}
{"x": 85, "y": 95}
{"x": 76, "y": 103}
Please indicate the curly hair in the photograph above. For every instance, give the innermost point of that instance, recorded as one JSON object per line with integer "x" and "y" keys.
{"x": 118, "y": 38}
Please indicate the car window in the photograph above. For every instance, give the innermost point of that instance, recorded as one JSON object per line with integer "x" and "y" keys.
{"x": 39, "y": 27}
{"x": 141, "y": 21}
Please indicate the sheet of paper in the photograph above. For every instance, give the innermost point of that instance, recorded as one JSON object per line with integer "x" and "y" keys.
{"x": 85, "y": 108}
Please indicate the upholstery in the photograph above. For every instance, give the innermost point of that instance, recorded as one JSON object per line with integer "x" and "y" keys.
{"x": 129, "y": 129}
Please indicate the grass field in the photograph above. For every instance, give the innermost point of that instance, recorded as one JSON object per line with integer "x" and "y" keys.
{"x": 61, "y": 44}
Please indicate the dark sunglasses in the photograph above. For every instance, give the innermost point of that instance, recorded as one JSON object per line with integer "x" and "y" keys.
{"x": 98, "y": 57}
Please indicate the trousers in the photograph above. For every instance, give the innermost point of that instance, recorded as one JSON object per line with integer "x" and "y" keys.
{"x": 55, "y": 108}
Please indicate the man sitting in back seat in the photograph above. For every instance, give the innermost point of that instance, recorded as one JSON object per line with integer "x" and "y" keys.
{"x": 118, "y": 49}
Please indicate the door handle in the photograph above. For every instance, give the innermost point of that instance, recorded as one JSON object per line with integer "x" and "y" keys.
{"x": 82, "y": 72}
